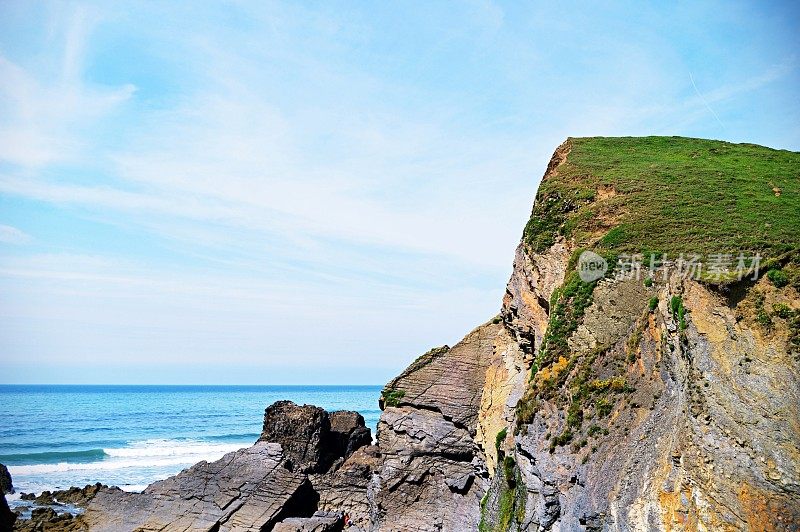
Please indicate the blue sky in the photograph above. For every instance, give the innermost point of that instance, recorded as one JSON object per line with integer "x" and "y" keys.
{"x": 292, "y": 192}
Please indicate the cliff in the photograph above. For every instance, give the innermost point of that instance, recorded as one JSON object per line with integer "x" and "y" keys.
{"x": 662, "y": 396}
{"x": 643, "y": 374}
{"x": 665, "y": 400}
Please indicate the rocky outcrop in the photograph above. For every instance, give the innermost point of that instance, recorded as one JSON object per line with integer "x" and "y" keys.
{"x": 305, "y": 461}
{"x": 47, "y": 519}
{"x": 248, "y": 489}
{"x": 6, "y": 485}
{"x": 432, "y": 437}
{"x": 75, "y": 496}
{"x": 7, "y": 518}
{"x": 311, "y": 439}
{"x": 680, "y": 429}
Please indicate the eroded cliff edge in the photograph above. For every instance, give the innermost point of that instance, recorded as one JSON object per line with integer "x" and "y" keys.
{"x": 661, "y": 401}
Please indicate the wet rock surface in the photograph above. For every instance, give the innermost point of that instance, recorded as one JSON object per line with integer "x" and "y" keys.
{"x": 47, "y": 519}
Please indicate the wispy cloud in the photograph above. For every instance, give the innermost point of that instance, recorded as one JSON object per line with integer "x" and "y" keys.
{"x": 326, "y": 178}
{"x": 12, "y": 235}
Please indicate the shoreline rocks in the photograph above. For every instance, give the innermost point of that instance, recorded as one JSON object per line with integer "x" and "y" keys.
{"x": 283, "y": 482}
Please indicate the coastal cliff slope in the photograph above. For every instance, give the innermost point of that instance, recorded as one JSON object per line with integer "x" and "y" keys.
{"x": 657, "y": 392}
{"x": 661, "y": 398}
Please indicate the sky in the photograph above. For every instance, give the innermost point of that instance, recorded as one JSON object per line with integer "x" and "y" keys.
{"x": 318, "y": 192}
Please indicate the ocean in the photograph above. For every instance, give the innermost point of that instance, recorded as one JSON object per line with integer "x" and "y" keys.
{"x": 54, "y": 437}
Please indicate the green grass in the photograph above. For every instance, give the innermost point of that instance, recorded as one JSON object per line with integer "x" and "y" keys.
{"x": 672, "y": 195}
{"x": 678, "y": 311}
{"x": 510, "y": 510}
{"x": 499, "y": 439}
{"x": 392, "y": 397}
{"x": 778, "y": 278}
{"x": 568, "y": 304}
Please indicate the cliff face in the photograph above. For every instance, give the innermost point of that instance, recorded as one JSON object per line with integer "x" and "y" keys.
{"x": 661, "y": 402}
{"x": 651, "y": 426}
{"x": 645, "y": 399}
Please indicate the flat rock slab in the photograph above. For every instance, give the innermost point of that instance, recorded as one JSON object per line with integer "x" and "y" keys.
{"x": 319, "y": 522}
{"x": 244, "y": 490}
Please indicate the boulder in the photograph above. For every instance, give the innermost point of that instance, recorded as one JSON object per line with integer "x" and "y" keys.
{"x": 312, "y": 440}
{"x": 300, "y": 430}
{"x": 47, "y": 519}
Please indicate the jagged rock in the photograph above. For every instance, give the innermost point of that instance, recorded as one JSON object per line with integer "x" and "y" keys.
{"x": 301, "y": 430}
{"x": 449, "y": 381}
{"x": 348, "y": 433}
{"x": 79, "y": 496}
{"x": 432, "y": 472}
{"x": 249, "y": 489}
{"x": 311, "y": 438}
{"x": 346, "y": 489}
{"x": 47, "y": 519}
{"x": 319, "y": 522}
{"x": 253, "y": 488}
{"x": 45, "y": 498}
{"x": 6, "y": 485}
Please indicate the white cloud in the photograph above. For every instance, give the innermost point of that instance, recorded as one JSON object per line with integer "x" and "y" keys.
{"x": 304, "y": 179}
{"x": 12, "y": 235}
{"x": 42, "y": 114}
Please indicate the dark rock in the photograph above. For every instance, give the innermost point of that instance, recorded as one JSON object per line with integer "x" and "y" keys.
{"x": 348, "y": 433}
{"x": 6, "y": 486}
{"x": 7, "y": 518}
{"x": 27, "y": 496}
{"x": 47, "y": 519}
{"x": 312, "y": 440}
{"x": 45, "y": 498}
{"x": 301, "y": 431}
{"x": 78, "y": 496}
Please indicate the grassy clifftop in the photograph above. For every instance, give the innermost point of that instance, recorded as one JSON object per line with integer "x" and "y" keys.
{"x": 669, "y": 195}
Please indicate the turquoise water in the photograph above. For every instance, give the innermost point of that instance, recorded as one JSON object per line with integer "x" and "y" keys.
{"x": 54, "y": 437}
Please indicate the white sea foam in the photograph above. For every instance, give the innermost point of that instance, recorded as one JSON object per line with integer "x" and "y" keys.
{"x": 172, "y": 448}
{"x": 132, "y": 467}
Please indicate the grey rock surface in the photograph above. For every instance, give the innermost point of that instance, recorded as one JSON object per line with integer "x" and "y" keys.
{"x": 248, "y": 489}
{"x": 319, "y": 522}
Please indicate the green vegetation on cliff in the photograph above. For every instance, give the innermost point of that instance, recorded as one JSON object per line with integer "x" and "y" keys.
{"x": 670, "y": 195}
